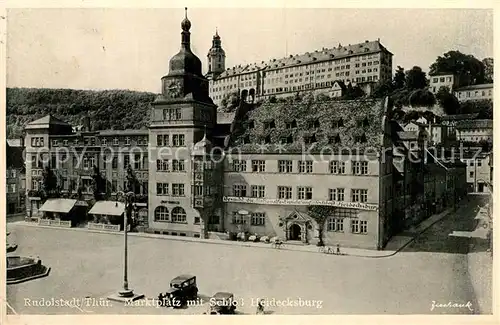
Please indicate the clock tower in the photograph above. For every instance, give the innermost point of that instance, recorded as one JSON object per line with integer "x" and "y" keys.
{"x": 181, "y": 116}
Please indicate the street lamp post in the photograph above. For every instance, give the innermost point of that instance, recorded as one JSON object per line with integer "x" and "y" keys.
{"x": 126, "y": 294}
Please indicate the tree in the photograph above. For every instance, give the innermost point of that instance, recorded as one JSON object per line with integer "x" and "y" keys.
{"x": 98, "y": 184}
{"x": 49, "y": 183}
{"x": 399, "y": 78}
{"x": 132, "y": 182}
{"x": 421, "y": 98}
{"x": 415, "y": 78}
{"x": 353, "y": 92}
{"x": 382, "y": 89}
{"x": 488, "y": 70}
{"x": 320, "y": 213}
{"x": 469, "y": 70}
{"x": 447, "y": 101}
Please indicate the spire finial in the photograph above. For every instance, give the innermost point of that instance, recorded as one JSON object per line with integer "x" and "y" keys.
{"x": 216, "y": 32}
{"x": 186, "y": 11}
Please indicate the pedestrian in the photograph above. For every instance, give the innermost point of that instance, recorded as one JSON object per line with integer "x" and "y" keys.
{"x": 338, "y": 249}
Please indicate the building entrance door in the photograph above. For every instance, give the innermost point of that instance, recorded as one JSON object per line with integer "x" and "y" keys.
{"x": 480, "y": 187}
{"x": 295, "y": 231}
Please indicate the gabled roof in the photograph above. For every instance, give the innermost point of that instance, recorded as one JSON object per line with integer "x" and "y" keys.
{"x": 308, "y": 57}
{"x": 458, "y": 117}
{"x": 14, "y": 142}
{"x": 475, "y": 124}
{"x": 48, "y": 120}
{"x": 475, "y": 87}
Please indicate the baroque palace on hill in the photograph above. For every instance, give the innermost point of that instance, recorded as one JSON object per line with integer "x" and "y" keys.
{"x": 256, "y": 170}
{"x": 362, "y": 64}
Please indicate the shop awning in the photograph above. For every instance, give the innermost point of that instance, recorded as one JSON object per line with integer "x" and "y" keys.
{"x": 110, "y": 208}
{"x": 58, "y": 205}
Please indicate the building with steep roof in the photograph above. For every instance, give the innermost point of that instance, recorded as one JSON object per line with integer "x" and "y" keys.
{"x": 363, "y": 64}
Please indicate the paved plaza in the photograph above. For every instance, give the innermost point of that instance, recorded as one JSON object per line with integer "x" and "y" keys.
{"x": 90, "y": 265}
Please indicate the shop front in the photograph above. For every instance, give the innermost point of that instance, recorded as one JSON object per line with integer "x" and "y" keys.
{"x": 58, "y": 212}
{"x": 107, "y": 215}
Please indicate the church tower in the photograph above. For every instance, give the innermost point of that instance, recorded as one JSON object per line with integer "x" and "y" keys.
{"x": 216, "y": 57}
{"x": 181, "y": 116}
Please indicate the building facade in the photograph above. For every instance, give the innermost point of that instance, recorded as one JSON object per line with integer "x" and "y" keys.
{"x": 474, "y": 130}
{"x": 15, "y": 179}
{"x": 363, "y": 64}
{"x": 72, "y": 156}
{"x": 475, "y": 92}
{"x": 439, "y": 80}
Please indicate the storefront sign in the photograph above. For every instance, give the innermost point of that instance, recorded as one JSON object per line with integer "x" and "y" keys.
{"x": 170, "y": 202}
{"x": 340, "y": 204}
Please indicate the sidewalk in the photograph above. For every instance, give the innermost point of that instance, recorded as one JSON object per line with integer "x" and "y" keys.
{"x": 396, "y": 243}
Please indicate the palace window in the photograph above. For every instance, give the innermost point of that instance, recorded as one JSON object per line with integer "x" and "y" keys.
{"x": 285, "y": 166}
{"x": 306, "y": 166}
{"x": 104, "y": 142}
{"x": 162, "y": 140}
{"x": 161, "y": 188}
{"x": 360, "y": 167}
{"x": 239, "y": 190}
{"x": 335, "y": 224}
{"x": 115, "y": 141}
{"x": 258, "y": 191}
{"x": 238, "y": 219}
{"x": 284, "y": 192}
{"x": 177, "y": 189}
{"x": 178, "y": 165}
{"x": 178, "y": 140}
{"x": 178, "y": 215}
{"x": 239, "y": 165}
{"x": 304, "y": 193}
{"x": 337, "y": 167}
{"x": 258, "y": 219}
{"x": 359, "y": 195}
{"x": 114, "y": 163}
{"x": 258, "y": 165}
{"x": 336, "y": 194}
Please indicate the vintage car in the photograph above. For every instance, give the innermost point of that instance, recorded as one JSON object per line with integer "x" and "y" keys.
{"x": 182, "y": 289}
{"x": 222, "y": 303}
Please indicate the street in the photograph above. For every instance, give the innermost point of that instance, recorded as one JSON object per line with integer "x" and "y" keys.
{"x": 91, "y": 265}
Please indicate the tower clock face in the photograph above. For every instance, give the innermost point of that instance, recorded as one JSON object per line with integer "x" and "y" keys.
{"x": 173, "y": 89}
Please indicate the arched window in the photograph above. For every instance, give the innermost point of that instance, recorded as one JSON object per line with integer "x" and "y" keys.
{"x": 161, "y": 213}
{"x": 178, "y": 215}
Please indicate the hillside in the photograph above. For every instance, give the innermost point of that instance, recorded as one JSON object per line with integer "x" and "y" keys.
{"x": 108, "y": 109}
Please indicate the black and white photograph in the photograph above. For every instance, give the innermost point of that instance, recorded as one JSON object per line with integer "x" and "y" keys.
{"x": 277, "y": 160}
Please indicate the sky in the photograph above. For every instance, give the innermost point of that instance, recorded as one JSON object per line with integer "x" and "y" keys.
{"x": 131, "y": 48}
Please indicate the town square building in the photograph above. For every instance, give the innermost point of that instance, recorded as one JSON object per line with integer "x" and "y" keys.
{"x": 257, "y": 170}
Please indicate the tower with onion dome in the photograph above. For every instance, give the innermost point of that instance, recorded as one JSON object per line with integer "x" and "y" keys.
{"x": 181, "y": 116}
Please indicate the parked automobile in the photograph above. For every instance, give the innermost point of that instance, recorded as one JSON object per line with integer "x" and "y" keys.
{"x": 222, "y": 303}
{"x": 182, "y": 289}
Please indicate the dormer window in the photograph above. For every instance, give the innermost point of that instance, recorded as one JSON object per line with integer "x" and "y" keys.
{"x": 338, "y": 123}
{"x": 361, "y": 138}
{"x": 291, "y": 124}
{"x": 269, "y": 125}
{"x": 310, "y": 139}
{"x": 363, "y": 122}
{"x": 286, "y": 140}
{"x": 334, "y": 139}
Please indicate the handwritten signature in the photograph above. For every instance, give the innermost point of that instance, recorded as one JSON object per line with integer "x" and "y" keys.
{"x": 451, "y": 304}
